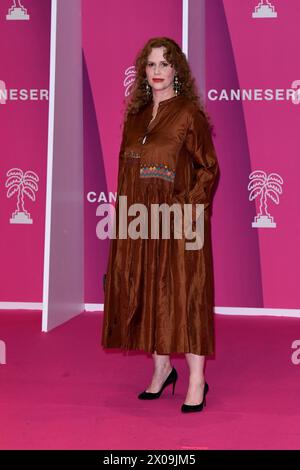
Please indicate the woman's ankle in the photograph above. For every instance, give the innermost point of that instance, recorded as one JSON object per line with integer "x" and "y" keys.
{"x": 196, "y": 379}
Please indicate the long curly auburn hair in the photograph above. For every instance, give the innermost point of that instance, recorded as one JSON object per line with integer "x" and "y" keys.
{"x": 173, "y": 54}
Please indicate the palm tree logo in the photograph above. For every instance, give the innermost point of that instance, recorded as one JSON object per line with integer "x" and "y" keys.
{"x": 264, "y": 9}
{"x": 17, "y": 11}
{"x": 21, "y": 184}
{"x": 130, "y": 74}
{"x": 265, "y": 186}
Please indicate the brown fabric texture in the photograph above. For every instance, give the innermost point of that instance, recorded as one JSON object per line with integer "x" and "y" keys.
{"x": 158, "y": 295}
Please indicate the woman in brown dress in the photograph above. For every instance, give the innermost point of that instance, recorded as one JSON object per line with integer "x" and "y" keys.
{"x": 158, "y": 294}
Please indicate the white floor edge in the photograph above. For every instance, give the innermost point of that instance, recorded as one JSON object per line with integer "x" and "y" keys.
{"x": 247, "y": 311}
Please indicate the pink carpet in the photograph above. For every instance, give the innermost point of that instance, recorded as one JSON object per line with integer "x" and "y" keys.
{"x": 61, "y": 390}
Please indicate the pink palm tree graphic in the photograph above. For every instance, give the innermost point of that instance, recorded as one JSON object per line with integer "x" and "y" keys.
{"x": 265, "y": 186}
{"x": 21, "y": 184}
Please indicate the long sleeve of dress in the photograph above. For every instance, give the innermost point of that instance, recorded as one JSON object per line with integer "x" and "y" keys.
{"x": 200, "y": 147}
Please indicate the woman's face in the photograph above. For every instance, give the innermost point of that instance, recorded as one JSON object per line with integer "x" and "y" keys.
{"x": 158, "y": 68}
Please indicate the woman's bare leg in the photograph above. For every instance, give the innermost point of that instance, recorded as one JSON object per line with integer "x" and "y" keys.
{"x": 196, "y": 379}
{"x": 162, "y": 368}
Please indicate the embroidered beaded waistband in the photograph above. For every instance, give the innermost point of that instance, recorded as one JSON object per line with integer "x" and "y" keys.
{"x": 158, "y": 170}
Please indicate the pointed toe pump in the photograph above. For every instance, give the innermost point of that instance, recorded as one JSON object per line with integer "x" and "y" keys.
{"x": 171, "y": 379}
{"x": 191, "y": 408}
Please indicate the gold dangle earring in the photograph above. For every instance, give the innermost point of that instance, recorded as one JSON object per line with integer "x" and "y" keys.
{"x": 176, "y": 85}
{"x": 148, "y": 88}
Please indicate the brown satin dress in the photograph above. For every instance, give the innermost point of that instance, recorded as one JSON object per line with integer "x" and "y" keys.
{"x": 158, "y": 295}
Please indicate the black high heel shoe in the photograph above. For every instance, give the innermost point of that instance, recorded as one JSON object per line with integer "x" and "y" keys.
{"x": 171, "y": 379}
{"x": 190, "y": 408}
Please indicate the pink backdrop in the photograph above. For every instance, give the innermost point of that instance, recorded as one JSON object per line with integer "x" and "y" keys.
{"x": 24, "y": 128}
{"x": 254, "y": 267}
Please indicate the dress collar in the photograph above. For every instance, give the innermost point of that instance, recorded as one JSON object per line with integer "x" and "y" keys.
{"x": 161, "y": 105}
{"x": 168, "y": 100}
